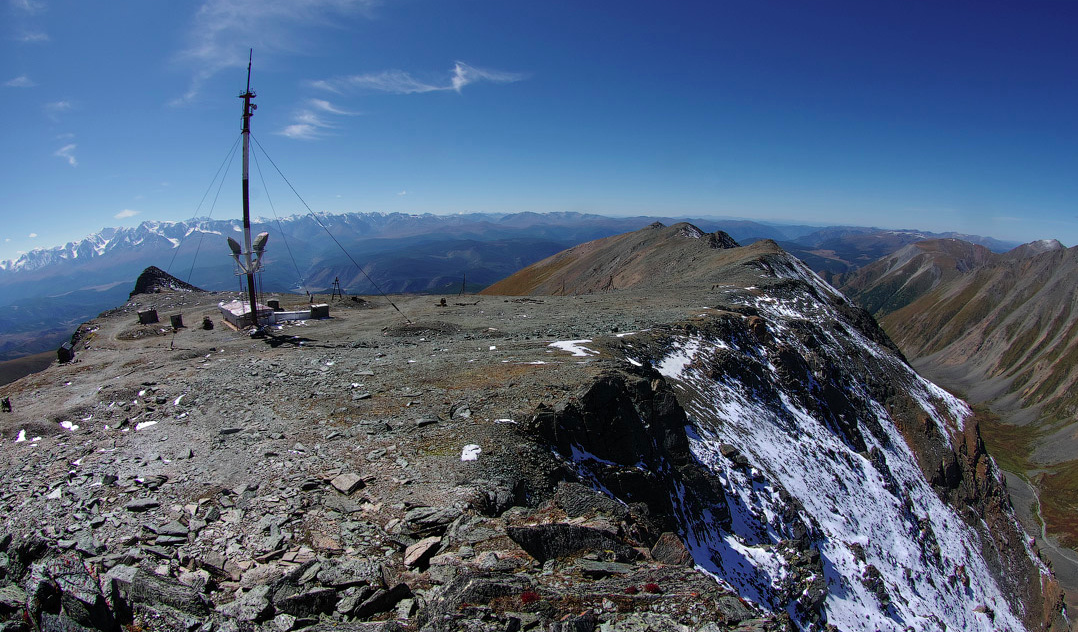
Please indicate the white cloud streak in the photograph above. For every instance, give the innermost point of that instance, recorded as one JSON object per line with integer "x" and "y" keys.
{"x": 311, "y": 123}
{"x": 22, "y": 81}
{"x": 34, "y": 37}
{"x": 124, "y": 214}
{"x": 32, "y": 235}
{"x": 27, "y": 6}
{"x": 400, "y": 82}
{"x": 67, "y": 152}
{"x": 54, "y": 109}
{"x": 223, "y": 30}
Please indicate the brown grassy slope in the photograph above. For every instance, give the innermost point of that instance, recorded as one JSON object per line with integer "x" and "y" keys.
{"x": 1014, "y": 320}
{"x": 632, "y": 260}
{"x": 11, "y": 370}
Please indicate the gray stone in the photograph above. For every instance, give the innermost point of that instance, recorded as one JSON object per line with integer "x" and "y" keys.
{"x": 253, "y": 606}
{"x": 580, "y": 500}
{"x": 174, "y": 528}
{"x": 353, "y": 598}
{"x": 383, "y": 600}
{"x": 308, "y": 604}
{"x": 477, "y": 588}
{"x": 12, "y": 598}
{"x": 419, "y": 553}
{"x": 142, "y": 504}
{"x": 141, "y": 587}
{"x": 669, "y": 549}
{"x": 347, "y": 483}
{"x": 350, "y": 572}
{"x": 597, "y": 570}
{"x": 423, "y": 521}
{"x": 552, "y": 541}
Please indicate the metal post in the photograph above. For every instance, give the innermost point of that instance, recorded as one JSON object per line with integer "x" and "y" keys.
{"x": 248, "y": 112}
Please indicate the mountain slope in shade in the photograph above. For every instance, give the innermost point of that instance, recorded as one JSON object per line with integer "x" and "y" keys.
{"x": 1002, "y": 325}
{"x": 1002, "y": 329}
{"x": 845, "y": 488}
{"x": 842, "y": 249}
{"x": 906, "y": 275}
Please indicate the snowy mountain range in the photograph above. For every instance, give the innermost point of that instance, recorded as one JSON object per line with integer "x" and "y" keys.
{"x": 47, "y": 292}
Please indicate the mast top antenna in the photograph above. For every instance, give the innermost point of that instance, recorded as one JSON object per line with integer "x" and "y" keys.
{"x": 250, "y": 57}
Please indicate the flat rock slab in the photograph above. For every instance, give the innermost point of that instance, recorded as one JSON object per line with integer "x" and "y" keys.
{"x": 669, "y": 549}
{"x": 308, "y": 604}
{"x": 551, "y": 541}
{"x": 597, "y": 570}
{"x": 383, "y": 600}
{"x": 421, "y": 551}
{"x": 142, "y": 504}
{"x": 347, "y": 483}
{"x": 347, "y": 573}
{"x": 137, "y": 586}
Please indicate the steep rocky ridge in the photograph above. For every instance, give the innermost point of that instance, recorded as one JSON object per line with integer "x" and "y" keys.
{"x": 732, "y": 446}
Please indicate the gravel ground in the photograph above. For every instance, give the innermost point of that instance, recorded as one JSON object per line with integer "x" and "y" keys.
{"x": 207, "y": 451}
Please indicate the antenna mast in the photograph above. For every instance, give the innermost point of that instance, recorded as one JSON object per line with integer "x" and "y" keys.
{"x": 249, "y": 268}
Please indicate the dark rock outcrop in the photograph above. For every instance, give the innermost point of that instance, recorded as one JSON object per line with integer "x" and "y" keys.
{"x": 154, "y": 280}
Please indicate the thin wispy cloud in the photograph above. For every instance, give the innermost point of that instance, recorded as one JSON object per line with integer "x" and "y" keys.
{"x": 403, "y": 193}
{"x": 54, "y": 109}
{"x": 326, "y": 106}
{"x": 400, "y": 82}
{"x": 33, "y": 37}
{"x": 67, "y": 152}
{"x": 310, "y": 123}
{"x": 32, "y": 235}
{"x": 222, "y": 31}
{"x": 22, "y": 81}
{"x": 124, "y": 214}
{"x": 27, "y": 6}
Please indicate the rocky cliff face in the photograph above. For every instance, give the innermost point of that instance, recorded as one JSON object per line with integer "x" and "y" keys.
{"x": 743, "y": 452}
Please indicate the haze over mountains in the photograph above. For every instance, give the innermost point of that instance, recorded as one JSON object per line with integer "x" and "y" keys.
{"x": 47, "y": 292}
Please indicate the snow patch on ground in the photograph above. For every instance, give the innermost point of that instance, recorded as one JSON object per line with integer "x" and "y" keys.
{"x": 575, "y": 347}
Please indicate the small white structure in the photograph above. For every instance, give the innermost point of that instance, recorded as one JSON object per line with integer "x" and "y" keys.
{"x": 239, "y": 313}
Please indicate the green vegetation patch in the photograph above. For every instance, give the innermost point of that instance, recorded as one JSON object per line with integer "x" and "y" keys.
{"x": 1010, "y": 445}
{"x": 1059, "y": 502}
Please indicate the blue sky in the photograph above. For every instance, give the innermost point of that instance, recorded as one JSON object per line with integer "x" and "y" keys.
{"x": 932, "y": 115}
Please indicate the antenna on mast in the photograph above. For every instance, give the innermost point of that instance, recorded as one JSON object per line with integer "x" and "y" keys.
{"x": 249, "y": 257}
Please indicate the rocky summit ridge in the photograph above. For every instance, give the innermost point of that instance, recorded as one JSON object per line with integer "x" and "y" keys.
{"x": 729, "y": 447}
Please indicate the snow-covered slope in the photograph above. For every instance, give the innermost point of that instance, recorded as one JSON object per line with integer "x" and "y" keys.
{"x": 893, "y": 553}
{"x": 840, "y": 487}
